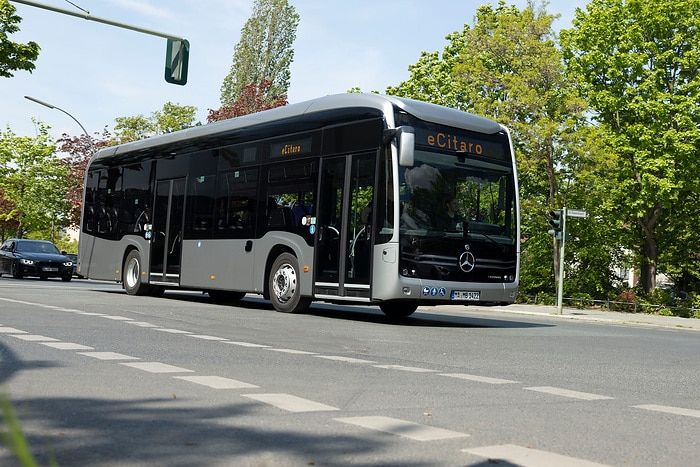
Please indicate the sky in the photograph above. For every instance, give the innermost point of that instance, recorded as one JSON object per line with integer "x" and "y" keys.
{"x": 97, "y": 72}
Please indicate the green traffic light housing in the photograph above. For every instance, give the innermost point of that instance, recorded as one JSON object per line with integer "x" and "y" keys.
{"x": 177, "y": 56}
{"x": 555, "y": 221}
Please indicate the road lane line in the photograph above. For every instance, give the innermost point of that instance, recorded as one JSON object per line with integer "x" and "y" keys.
{"x": 157, "y": 367}
{"x": 108, "y": 356}
{"x": 568, "y": 393}
{"x": 343, "y": 359}
{"x": 8, "y": 330}
{"x": 217, "y": 382}
{"x": 479, "y": 379}
{"x": 292, "y": 351}
{"x": 143, "y": 324}
{"x": 247, "y": 344}
{"x": 394, "y": 426}
{"x": 34, "y": 338}
{"x": 517, "y": 455}
{"x": 671, "y": 410}
{"x": 405, "y": 368}
{"x": 207, "y": 338}
{"x": 172, "y": 331}
{"x": 290, "y": 403}
{"x": 67, "y": 346}
{"x": 117, "y": 318}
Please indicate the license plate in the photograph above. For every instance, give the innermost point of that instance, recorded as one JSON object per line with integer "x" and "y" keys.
{"x": 49, "y": 269}
{"x": 466, "y": 295}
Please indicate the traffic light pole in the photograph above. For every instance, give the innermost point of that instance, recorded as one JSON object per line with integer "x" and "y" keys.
{"x": 560, "y": 285}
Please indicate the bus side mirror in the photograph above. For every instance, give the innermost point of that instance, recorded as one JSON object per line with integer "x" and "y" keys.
{"x": 407, "y": 144}
{"x": 177, "y": 56}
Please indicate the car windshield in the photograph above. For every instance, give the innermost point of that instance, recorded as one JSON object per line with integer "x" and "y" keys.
{"x": 37, "y": 247}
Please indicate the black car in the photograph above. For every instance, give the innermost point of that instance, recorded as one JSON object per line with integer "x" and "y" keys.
{"x": 37, "y": 258}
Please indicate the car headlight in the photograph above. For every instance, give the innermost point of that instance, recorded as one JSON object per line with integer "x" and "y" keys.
{"x": 28, "y": 262}
{"x": 68, "y": 264}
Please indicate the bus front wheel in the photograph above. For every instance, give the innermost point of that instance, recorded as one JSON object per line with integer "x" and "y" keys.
{"x": 398, "y": 309}
{"x": 131, "y": 275}
{"x": 283, "y": 284}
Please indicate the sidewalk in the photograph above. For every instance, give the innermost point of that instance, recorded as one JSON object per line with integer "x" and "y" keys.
{"x": 617, "y": 317}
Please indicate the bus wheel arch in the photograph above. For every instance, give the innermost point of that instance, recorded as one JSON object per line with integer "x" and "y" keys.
{"x": 131, "y": 273}
{"x": 283, "y": 283}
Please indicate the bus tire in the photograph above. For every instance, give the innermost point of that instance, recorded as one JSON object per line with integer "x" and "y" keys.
{"x": 131, "y": 275}
{"x": 283, "y": 283}
{"x": 398, "y": 309}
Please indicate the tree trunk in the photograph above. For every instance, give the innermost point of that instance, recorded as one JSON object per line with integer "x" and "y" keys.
{"x": 648, "y": 267}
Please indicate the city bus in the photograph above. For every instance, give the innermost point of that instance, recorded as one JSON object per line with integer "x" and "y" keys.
{"x": 354, "y": 198}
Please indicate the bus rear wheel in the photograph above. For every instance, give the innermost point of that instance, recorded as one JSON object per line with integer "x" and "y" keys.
{"x": 283, "y": 283}
{"x": 131, "y": 275}
{"x": 398, "y": 309}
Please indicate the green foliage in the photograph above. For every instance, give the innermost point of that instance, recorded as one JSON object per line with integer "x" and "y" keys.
{"x": 14, "y": 56}
{"x": 171, "y": 118}
{"x": 264, "y": 51}
{"x": 641, "y": 78}
{"x": 33, "y": 180}
{"x": 12, "y": 437}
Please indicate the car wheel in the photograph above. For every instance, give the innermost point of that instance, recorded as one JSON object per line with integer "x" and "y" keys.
{"x": 283, "y": 283}
{"x": 67, "y": 277}
{"x": 16, "y": 270}
{"x": 131, "y": 275}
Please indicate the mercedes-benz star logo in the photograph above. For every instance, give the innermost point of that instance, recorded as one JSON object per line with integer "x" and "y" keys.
{"x": 467, "y": 261}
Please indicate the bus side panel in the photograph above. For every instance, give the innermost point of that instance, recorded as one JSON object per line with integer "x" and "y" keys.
{"x": 386, "y": 282}
{"x": 216, "y": 264}
{"x": 102, "y": 259}
{"x": 263, "y": 249}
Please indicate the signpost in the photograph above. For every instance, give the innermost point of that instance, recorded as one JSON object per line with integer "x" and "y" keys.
{"x": 559, "y": 232}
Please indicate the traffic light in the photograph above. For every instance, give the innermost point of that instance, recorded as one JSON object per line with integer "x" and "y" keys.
{"x": 555, "y": 222}
{"x": 177, "y": 57}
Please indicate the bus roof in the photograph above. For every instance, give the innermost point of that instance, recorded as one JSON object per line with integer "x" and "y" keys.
{"x": 387, "y": 104}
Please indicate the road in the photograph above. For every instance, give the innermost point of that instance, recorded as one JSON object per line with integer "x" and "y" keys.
{"x": 104, "y": 379}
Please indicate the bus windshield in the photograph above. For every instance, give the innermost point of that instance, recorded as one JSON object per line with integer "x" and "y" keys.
{"x": 450, "y": 195}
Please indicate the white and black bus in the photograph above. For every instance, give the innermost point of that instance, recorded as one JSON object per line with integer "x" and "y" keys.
{"x": 357, "y": 198}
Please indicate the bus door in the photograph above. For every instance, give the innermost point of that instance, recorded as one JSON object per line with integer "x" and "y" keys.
{"x": 343, "y": 248}
{"x": 166, "y": 242}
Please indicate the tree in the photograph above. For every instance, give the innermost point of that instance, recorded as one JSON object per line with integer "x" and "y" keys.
{"x": 264, "y": 52}
{"x": 14, "y": 56}
{"x": 79, "y": 150}
{"x": 638, "y": 63}
{"x": 172, "y": 117}
{"x": 33, "y": 180}
{"x": 253, "y": 98}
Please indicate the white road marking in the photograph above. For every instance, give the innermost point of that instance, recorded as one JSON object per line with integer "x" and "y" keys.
{"x": 403, "y": 428}
{"x": 568, "y": 393}
{"x": 117, "y": 318}
{"x": 207, "y": 338}
{"x": 7, "y": 330}
{"x": 344, "y": 359}
{"x": 671, "y": 410}
{"x": 157, "y": 367}
{"x": 108, "y": 356}
{"x": 34, "y": 338}
{"x": 405, "y": 368}
{"x": 292, "y": 351}
{"x": 217, "y": 382}
{"x": 172, "y": 331}
{"x": 67, "y": 346}
{"x": 143, "y": 324}
{"x": 247, "y": 344}
{"x": 517, "y": 455}
{"x": 290, "y": 403}
{"x": 89, "y": 313}
{"x": 480, "y": 379}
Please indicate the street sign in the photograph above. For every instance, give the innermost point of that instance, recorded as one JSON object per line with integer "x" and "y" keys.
{"x": 576, "y": 213}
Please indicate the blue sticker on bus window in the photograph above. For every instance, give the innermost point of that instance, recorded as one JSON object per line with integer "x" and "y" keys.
{"x": 426, "y": 291}
{"x": 312, "y": 229}
{"x": 147, "y": 235}
{"x": 442, "y": 292}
